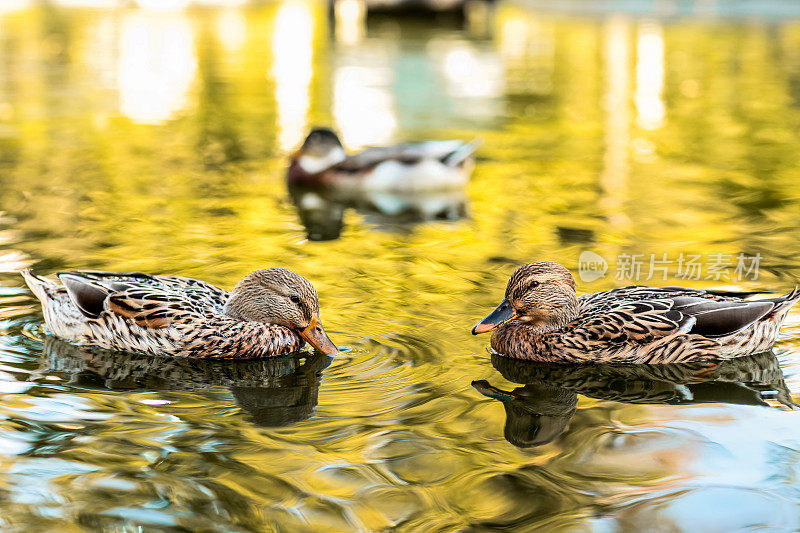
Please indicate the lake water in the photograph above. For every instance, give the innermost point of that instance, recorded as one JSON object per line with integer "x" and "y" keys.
{"x": 157, "y": 141}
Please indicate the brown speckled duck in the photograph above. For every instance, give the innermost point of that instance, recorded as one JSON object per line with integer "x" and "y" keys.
{"x": 270, "y": 312}
{"x": 434, "y": 165}
{"x": 542, "y": 319}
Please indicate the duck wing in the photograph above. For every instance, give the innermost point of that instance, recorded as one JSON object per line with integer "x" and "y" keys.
{"x": 646, "y": 320}
{"x": 603, "y": 301}
{"x": 450, "y": 153}
{"x": 152, "y": 309}
{"x": 116, "y": 280}
{"x": 150, "y": 301}
{"x": 715, "y": 318}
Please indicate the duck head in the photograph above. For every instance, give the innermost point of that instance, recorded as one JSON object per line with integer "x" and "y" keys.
{"x": 279, "y": 296}
{"x": 541, "y": 295}
{"x": 536, "y": 414}
{"x": 321, "y": 150}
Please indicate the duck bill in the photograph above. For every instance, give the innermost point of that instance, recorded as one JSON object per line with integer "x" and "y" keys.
{"x": 491, "y": 391}
{"x": 316, "y": 337}
{"x": 502, "y": 314}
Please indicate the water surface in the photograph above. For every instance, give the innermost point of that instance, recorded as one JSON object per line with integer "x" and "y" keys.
{"x": 157, "y": 141}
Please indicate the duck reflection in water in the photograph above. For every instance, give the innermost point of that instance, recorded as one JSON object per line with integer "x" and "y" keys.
{"x": 321, "y": 209}
{"x": 540, "y": 411}
{"x": 275, "y": 392}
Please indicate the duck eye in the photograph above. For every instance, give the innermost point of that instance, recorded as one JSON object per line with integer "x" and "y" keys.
{"x": 534, "y": 284}
{"x": 294, "y": 298}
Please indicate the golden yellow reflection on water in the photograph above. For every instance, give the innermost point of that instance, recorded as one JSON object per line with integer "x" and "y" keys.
{"x": 649, "y": 75}
{"x": 292, "y": 56}
{"x": 156, "y": 140}
{"x": 156, "y": 65}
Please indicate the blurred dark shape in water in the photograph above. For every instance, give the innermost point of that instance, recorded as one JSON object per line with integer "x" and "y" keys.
{"x": 570, "y": 235}
{"x": 539, "y": 412}
{"x": 275, "y": 392}
{"x": 456, "y": 9}
{"x": 321, "y": 210}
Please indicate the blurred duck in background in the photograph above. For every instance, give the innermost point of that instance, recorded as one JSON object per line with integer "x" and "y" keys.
{"x": 405, "y": 168}
{"x": 396, "y": 185}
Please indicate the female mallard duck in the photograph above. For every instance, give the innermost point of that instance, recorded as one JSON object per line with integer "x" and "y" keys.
{"x": 542, "y": 319}
{"x": 322, "y": 161}
{"x": 270, "y": 312}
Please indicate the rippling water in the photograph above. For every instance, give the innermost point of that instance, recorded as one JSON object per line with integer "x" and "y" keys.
{"x": 157, "y": 141}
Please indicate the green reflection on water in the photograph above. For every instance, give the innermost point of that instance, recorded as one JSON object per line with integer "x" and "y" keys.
{"x": 152, "y": 141}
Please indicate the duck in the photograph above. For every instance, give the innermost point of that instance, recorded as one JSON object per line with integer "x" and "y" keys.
{"x": 321, "y": 161}
{"x": 270, "y": 312}
{"x": 542, "y": 319}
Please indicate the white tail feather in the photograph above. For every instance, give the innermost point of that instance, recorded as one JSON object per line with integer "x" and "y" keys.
{"x": 37, "y": 285}
{"x": 465, "y": 151}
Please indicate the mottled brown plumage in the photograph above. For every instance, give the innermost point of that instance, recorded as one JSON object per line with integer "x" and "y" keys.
{"x": 270, "y": 312}
{"x": 542, "y": 319}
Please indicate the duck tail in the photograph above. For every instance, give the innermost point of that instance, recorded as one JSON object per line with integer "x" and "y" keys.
{"x": 790, "y": 298}
{"x": 458, "y": 156}
{"x": 38, "y": 285}
{"x": 793, "y": 297}
{"x": 782, "y": 304}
